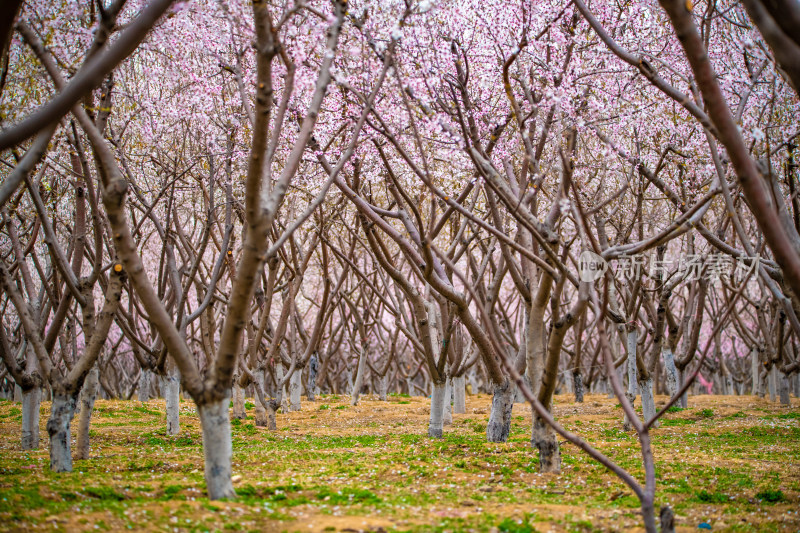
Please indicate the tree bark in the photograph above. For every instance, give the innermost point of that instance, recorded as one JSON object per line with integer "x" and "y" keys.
{"x": 238, "y": 401}
{"x": 61, "y": 413}
{"x": 170, "y": 389}
{"x": 648, "y": 402}
{"x": 88, "y": 396}
{"x": 577, "y": 379}
{"x": 261, "y": 412}
{"x": 500, "y": 416}
{"x": 295, "y": 388}
{"x": 144, "y": 385}
{"x": 359, "y": 379}
{"x": 447, "y": 411}
{"x": 459, "y": 395}
{"x": 436, "y": 424}
{"x": 217, "y": 448}
{"x": 31, "y": 400}
{"x": 545, "y": 440}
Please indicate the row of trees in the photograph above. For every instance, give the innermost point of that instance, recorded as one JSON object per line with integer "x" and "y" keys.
{"x": 288, "y": 197}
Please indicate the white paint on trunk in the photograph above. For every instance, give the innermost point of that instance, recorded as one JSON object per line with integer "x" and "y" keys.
{"x": 17, "y": 393}
{"x": 383, "y": 387}
{"x": 261, "y": 412}
{"x": 459, "y": 395}
{"x": 500, "y": 416}
{"x": 238, "y": 402}
{"x": 143, "y": 389}
{"x": 295, "y": 388}
{"x": 447, "y": 412}
{"x": 88, "y": 396}
{"x": 648, "y": 401}
{"x": 436, "y": 424}
{"x": 355, "y": 391}
{"x": 631, "y": 372}
{"x": 671, "y": 371}
{"x": 217, "y": 448}
{"x": 772, "y": 383}
{"x": 170, "y": 390}
{"x": 754, "y": 372}
{"x": 61, "y": 413}
{"x": 31, "y": 400}
{"x": 783, "y": 389}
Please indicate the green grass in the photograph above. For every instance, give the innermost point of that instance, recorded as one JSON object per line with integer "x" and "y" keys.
{"x": 374, "y": 461}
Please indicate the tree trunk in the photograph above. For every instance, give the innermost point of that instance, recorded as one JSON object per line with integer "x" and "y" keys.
{"x": 500, "y": 417}
{"x": 383, "y": 387}
{"x": 671, "y": 372}
{"x": 17, "y": 393}
{"x": 436, "y": 425}
{"x": 295, "y": 389}
{"x": 355, "y": 392}
{"x": 311, "y": 387}
{"x": 144, "y": 385}
{"x": 61, "y": 413}
{"x": 170, "y": 389}
{"x": 545, "y": 439}
{"x": 577, "y": 379}
{"x": 772, "y": 383}
{"x": 648, "y": 402}
{"x": 755, "y": 368}
{"x": 217, "y": 448}
{"x": 261, "y": 412}
{"x": 459, "y": 395}
{"x": 447, "y": 412}
{"x": 783, "y": 389}
{"x": 272, "y": 408}
{"x": 631, "y": 371}
{"x": 31, "y": 401}
{"x": 88, "y": 396}
{"x": 238, "y": 401}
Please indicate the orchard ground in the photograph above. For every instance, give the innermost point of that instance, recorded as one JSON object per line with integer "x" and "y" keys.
{"x": 731, "y": 462}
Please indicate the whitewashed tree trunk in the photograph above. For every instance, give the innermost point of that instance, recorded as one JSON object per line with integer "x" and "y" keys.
{"x": 238, "y": 401}
{"x": 17, "y": 393}
{"x": 783, "y": 389}
{"x": 217, "y": 448}
{"x": 261, "y": 412}
{"x": 631, "y": 371}
{"x": 436, "y": 424}
{"x": 61, "y": 413}
{"x": 459, "y": 395}
{"x": 31, "y": 400}
{"x": 383, "y": 387}
{"x": 355, "y": 391}
{"x": 772, "y": 383}
{"x": 143, "y": 389}
{"x": 473, "y": 381}
{"x": 500, "y": 416}
{"x": 684, "y": 401}
{"x": 447, "y": 413}
{"x": 170, "y": 390}
{"x": 545, "y": 439}
{"x": 755, "y": 369}
{"x": 88, "y": 396}
{"x": 648, "y": 401}
{"x": 295, "y": 389}
{"x": 272, "y": 408}
{"x": 671, "y": 371}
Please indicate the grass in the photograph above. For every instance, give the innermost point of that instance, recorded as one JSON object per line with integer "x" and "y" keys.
{"x": 732, "y": 461}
